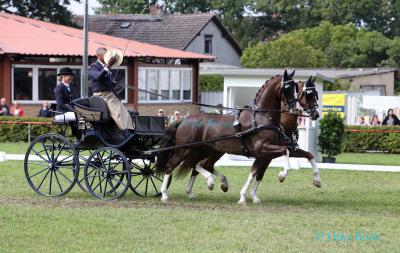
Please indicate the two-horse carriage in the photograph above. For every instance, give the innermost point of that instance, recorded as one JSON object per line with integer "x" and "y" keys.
{"x": 101, "y": 159}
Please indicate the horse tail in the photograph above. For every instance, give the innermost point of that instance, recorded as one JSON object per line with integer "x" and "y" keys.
{"x": 168, "y": 140}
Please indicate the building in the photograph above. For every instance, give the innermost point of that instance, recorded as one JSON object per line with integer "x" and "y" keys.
{"x": 33, "y": 51}
{"x": 200, "y": 33}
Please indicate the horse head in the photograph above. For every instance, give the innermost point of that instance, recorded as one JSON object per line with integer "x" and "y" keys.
{"x": 308, "y": 98}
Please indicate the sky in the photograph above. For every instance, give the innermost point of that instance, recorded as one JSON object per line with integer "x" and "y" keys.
{"x": 79, "y": 8}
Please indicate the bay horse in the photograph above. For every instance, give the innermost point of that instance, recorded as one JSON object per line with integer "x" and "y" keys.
{"x": 257, "y": 124}
{"x": 308, "y": 100}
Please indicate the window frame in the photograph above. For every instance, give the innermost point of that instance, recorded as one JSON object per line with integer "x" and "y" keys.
{"x": 169, "y": 101}
{"x": 208, "y": 38}
{"x": 35, "y": 81}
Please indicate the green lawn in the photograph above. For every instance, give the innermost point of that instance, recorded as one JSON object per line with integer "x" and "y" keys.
{"x": 292, "y": 217}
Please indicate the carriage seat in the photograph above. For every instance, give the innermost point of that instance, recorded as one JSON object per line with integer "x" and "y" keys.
{"x": 93, "y": 109}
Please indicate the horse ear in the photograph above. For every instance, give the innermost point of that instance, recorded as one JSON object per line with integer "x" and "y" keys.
{"x": 309, "y": 79}
{"x": 285, "y": 75}
{"x": 313, "y": 80}
{"x": 292, "y": 74}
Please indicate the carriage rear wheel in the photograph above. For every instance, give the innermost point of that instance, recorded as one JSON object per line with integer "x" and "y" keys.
{"x": 144, "y": 181}
{"x": 51, "y": 165}
{"x": 107, "y": 173}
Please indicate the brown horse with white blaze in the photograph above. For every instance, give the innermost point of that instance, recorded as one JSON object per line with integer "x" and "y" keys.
{"x": 308, "y": 100}
{"x": 258, "y": 125}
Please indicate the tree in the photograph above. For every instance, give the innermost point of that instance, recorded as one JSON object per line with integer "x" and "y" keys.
{"x": 342, "y": 46}
{"x": 123, "y": 6}
{"x": 54, "y": 11}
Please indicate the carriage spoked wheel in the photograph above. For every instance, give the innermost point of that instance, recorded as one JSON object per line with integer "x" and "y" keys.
{"x": 144, "y": 181}
{"x": 83, "y": 156}
{"x": 51, "y": 165}
{"x": 107, "y": 173}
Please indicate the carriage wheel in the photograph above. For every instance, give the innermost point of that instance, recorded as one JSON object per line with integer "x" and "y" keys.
{"x": 107, "y": 174}
{"x": 83, "y": 156}
{"x": 51, "y": 165}
{"x": 144, "y": 181}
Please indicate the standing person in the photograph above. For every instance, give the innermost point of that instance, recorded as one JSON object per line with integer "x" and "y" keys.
{"x": 361, "y": 121}
{"x": 162, "y": 114}
{"x": 101, "y": 82}
{"x": 65, "y": 92}
{"x": 390, "y": 119}
{"x": 45, "y": 111}
{"x": 17, "y": 110}
{"x": 176, "y": 117}
{"x": 4, "y": 110}
{"x": 375, "y": 121}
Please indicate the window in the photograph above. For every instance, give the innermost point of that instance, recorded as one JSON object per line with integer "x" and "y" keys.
{"x": 174, "y": 84}
{"x": 47, "y": 83}
{"x": 22, "y": 83}
{"x": 208, "y": 44}
{"x": 36, "y": 83}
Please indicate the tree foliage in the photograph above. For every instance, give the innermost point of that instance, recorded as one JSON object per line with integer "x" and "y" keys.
{"x": 123, "y": 6}
{"x": 54, "y": 11}
{"x": 342, "y": 46}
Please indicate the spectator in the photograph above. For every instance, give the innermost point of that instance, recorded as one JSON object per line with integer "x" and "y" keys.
{"x": 4, "y": 110}
{"x": 375, "y": 121}
{"x": 45, "y": 111}
{"x": 17, "y": 110}
{"x": 161, "y": 113}
{"x": 175, "y": 117}
{"x": 361, "y": 121}
{"x": 390, "y": 119}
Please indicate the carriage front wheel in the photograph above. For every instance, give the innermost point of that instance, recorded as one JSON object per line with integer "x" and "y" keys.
{"x": 51, "y": 165}
{"x": 107, "y": 173}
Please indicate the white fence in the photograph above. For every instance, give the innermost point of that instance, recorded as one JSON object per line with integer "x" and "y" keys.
{"x": 211, "y": 98}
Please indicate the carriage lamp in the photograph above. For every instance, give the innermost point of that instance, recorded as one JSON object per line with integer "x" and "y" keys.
{"x": 81, "y": 124}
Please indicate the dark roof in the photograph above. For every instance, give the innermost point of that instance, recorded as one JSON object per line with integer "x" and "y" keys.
{"x": 173, "y": 31}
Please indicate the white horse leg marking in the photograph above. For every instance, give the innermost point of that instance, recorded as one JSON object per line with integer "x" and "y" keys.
{"x": 246, "y": 186}
{"x": 253, "y": 192}
{"x": 223, "y": 179}
{"x": 206, "y": 174}
{"x": 190, "y": 187}
{"x": 286, "y": 167}
{"x": 164, "y": 187}
{"x": 317, "y": 177}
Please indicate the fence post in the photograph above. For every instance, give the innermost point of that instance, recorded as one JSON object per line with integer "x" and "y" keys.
{"x": 29, "y": 132}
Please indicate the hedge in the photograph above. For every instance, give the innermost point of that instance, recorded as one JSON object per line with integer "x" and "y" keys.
{"x": 211, "y": 83}
{"x": 19, "y": 132}
{"x": 378, "y": 138}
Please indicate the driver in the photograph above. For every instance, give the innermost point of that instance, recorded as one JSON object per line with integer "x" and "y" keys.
{"x": 100, "y": 77}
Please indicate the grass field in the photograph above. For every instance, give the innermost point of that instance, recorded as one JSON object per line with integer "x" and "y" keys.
{"x": 293, "y": 217}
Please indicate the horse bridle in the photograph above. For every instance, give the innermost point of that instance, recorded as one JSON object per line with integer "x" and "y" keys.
{"x": 286, "y": 85}
{"x": 309, "y": 93}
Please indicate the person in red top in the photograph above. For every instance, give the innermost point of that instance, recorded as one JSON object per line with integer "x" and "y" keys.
{"x": 17, "y": 110}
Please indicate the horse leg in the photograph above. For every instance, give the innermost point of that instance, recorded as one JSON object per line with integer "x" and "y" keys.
{"x": 209, "y": 166}
{"x": 189, "y": 190}
{"x": 259, "y": 177}
{"x": 286, "y": 167}
{"x": 206, "y": 174}
{"x": 175, "y": 160}
{"x": 315, "y": 170}
{"x": 257, "y": 165}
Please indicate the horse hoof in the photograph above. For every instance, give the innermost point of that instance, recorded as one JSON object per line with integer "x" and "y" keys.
{"x": 164, "y": 200}
{"x": 317, "y": 183}
{"x": 242, "y": 201}
{"x": 224, "y": 188}
{"x": 210, "y": 183}
{"x": 191, "y": 196}
{"x": 256, "y": 200}
{"x": 281, "y": 176}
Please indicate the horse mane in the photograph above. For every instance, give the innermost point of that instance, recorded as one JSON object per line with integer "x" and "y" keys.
{"x": 262, "y": 89}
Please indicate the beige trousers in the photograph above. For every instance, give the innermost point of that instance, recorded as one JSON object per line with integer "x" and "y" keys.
{"x": 118, "y": 111}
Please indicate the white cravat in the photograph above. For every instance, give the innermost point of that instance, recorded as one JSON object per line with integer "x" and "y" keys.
{"x": 104, "y": 66}
{"x": 67, "y": 85}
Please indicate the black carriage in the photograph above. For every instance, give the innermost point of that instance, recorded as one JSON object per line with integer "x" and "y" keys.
{"x": 101, "y": 159}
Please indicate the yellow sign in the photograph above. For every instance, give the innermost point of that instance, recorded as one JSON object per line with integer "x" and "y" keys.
{"x": 334, "y": 102}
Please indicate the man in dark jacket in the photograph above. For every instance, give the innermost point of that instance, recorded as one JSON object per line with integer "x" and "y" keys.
{"x": 45, "y": 111}
{"x": 100, "y": 77}
{"x": 65, "y": 92}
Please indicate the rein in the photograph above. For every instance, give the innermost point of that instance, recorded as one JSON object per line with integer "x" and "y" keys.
{"x": 214, "y": 106}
